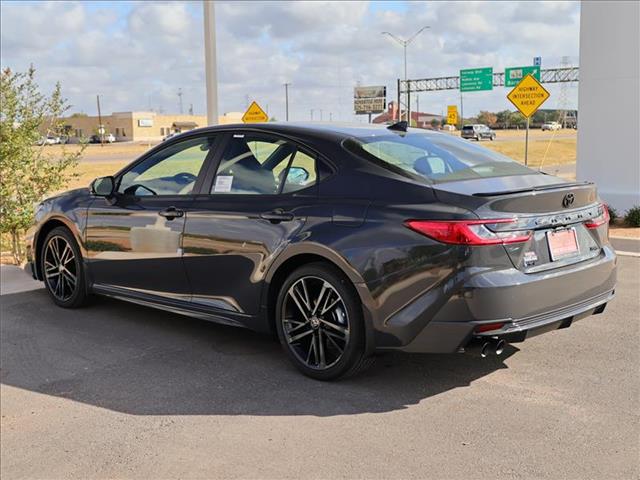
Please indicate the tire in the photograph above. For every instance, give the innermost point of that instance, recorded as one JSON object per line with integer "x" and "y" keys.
{"x": 57, "y": 248}
{"x": 319, "y": 335}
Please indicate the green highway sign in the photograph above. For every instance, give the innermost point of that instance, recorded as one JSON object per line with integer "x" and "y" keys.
{"x": 476, "y": 79}
{"x": 513, "y": 75}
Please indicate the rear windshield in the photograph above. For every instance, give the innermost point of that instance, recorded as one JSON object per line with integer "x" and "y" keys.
{"x": 434, "y": 157}
{"x": 468, "y": 127}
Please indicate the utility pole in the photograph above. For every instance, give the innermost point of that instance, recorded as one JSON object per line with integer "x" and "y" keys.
{"x": 404, "y": 44}
{"x": 312, "y": 114}
{"x": 191, "y": 109}
{"x": 100, "y": 127}
{"x": 331, "y": 116}
{"x": 286, "y": 101}
{"x": 180, "y": 100}
{"x": 210, "y": 63}
{"x": 461, "y": 113}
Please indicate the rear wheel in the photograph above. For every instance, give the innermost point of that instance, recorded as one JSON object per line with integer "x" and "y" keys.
{"x": 62, "y": 269}
{"x": 319, "y": 323}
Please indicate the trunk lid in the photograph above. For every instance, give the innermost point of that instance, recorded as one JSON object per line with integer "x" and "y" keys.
{"x": 554, "y": 211}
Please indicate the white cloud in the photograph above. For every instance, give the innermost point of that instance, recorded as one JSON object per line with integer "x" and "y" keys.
{"x": 139, "y": 54}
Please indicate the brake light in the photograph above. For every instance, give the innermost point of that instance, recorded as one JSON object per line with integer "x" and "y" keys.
{"x": 468, "y": 232}
{"x": 601, "y": 219}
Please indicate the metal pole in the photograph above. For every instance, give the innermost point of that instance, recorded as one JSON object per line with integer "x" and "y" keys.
{"x": 408, "y": 105}
{"x": 211, "y": 66}
{"x": 461, "y": 113}
{"x": 406, "y": 85}
{"x": 526, "y": 145}
{"x": 369, "y": 118}
{"x": 398, "y": 104}
{"x": 312, "y": 114}
{"x": 100, "y": 130}
{"x": 286, "y": 101}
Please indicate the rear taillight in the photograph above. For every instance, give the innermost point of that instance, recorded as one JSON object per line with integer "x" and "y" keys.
{"x": 468, "y": 232}
{"x": 601, "y": 219}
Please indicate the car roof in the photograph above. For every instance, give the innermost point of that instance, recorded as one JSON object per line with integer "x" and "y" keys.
{"x": 328, "y": 131}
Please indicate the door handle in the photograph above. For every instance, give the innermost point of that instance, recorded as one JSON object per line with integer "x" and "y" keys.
{"x": 171, "y": 212}
{"x": 276, "y": 216}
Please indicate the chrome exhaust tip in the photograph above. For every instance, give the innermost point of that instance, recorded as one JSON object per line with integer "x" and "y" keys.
{"x": 481, "y": 347}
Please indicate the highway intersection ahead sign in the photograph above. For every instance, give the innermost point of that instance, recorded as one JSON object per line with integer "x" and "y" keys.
{"x": 528, "y": 96}
{"x": 255, "y": 114}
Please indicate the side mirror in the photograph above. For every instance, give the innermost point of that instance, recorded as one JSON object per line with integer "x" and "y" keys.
{"x": 103, "y": 186}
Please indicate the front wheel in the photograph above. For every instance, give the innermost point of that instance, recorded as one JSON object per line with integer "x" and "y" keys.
{"x": 62, "y": 269}
{"x": 319, "y": 323}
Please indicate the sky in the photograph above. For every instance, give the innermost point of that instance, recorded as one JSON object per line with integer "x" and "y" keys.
{"x": 138, "y": 55}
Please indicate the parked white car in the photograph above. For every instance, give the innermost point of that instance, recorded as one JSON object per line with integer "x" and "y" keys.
{"x": 551, "y": 126}
{"x": 49, "y": 140}
{"x": 171, "y": 135}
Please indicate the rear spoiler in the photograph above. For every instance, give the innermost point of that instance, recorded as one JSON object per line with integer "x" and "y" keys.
{"x": 533, "y": 189}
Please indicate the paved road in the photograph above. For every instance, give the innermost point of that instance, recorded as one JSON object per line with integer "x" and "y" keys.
{"x": 118, "y": 390}
{"x": 626, "y": 245}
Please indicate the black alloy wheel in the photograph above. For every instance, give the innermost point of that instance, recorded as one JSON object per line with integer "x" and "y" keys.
{"x": 61, "y": 268}
{"x": 320, "y": 324}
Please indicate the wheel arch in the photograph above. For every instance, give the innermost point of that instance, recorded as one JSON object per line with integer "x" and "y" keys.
{"x": 43, "y": 231}
{"x": 304, "y": 254}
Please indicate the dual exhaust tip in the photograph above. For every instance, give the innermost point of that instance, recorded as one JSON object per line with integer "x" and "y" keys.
{"x": 484, "y": 347}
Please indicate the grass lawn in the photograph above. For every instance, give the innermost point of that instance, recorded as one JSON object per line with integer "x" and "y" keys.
{"x": 555, "y": 152}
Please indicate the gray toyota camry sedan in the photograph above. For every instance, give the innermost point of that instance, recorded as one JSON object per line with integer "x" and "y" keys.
{"x": 341, "y": 240}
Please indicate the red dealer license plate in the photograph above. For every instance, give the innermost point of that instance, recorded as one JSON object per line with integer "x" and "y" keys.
{"x": 562, "y": 243}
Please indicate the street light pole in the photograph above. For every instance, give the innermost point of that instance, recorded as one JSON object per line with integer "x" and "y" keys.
{"x": 286, "y": 100}
{"x": 210, "y": 64}
{"x": 404, "y": 44}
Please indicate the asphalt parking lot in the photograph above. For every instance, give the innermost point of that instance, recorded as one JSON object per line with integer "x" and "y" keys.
{"x": 119, "y": 390}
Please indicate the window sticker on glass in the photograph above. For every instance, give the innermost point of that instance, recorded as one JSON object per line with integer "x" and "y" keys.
{"x": 223, "y": 183}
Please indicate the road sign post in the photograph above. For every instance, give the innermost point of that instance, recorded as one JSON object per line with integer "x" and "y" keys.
{"x": 527, "y": 97}
{"x": 255, "y": 114}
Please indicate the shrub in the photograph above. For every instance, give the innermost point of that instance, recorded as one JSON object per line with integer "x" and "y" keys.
{"x": 27, "y": 173}
{"x": 613, "y": 215}
{"x": 632, "y": 218}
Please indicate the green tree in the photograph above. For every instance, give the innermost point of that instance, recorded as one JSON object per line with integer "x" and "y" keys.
{"x": 27, "y": 172}
{"x": 503, "y": 118}
{"x": 487, "y": 118}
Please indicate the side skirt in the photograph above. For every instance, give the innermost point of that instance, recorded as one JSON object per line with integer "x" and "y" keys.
{"x": 181, "y": 306}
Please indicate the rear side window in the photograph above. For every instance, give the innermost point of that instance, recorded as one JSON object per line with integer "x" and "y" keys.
{"x": 433, "y": 157}
{"x": 259, "y": 165}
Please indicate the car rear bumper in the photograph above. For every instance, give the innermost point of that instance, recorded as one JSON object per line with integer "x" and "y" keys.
{"x": 525, "y": 305}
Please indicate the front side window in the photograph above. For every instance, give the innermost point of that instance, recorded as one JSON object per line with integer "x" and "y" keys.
{"x": 434, "y": 157}
{"x": 170, "y": 171}
{"x": 259, "y": 165}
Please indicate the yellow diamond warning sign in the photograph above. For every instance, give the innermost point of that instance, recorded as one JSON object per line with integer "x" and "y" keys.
{"x": 255, "y": 114}
{"x": 528, "y": 95}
